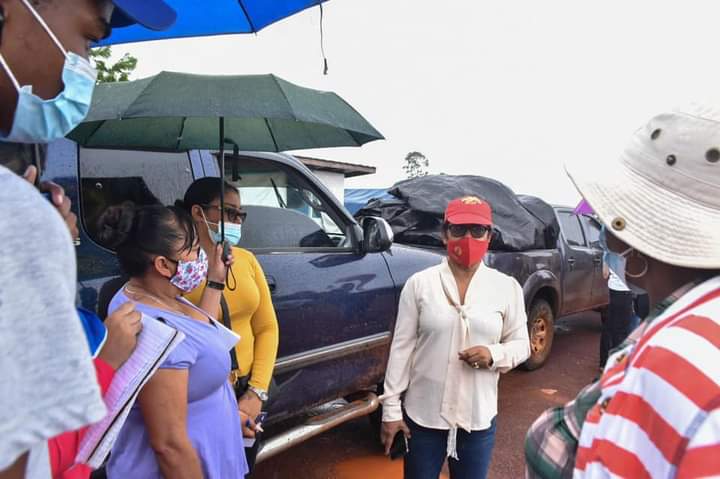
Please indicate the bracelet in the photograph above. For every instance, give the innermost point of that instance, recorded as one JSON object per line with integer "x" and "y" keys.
{"x": 215, "y": 285}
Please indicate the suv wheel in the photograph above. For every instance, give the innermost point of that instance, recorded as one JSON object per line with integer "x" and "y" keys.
{"x": 541, "y": 322}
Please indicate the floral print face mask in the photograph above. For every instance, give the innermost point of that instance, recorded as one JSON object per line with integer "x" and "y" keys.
{"x": 190, "y": 274}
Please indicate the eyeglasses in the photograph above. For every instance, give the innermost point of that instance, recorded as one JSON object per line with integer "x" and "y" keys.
{"x": 233, "y": 214}
{"x": 476, "y": 231}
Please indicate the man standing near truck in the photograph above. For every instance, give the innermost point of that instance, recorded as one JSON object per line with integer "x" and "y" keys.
{"x": 48, "y": 381}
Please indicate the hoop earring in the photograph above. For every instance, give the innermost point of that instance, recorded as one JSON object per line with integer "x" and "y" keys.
{"x": 641, "y": 273}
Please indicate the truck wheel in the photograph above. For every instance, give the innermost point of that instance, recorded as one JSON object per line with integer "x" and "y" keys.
{"x": 541, "y": 321}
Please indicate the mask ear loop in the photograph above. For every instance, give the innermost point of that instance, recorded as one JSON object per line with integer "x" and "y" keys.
{"x": 3, "y": 62}
{"x": 45, "y": 27}
{"x": 177, "y": 268}
{"x": 207, "y": 223}
{"x": 9, "y": 72}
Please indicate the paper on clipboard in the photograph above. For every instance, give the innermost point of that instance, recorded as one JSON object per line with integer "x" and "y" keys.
{"x": 155, "y": 342}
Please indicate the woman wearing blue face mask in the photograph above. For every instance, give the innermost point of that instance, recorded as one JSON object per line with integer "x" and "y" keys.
{"x": 185, "y": 423}
{"x": 248, "y": 303}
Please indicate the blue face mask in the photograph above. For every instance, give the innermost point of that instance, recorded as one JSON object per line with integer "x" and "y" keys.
{"x": 233, "y": 232}
{"x": 42, "y": 121}
{"x": 615, "y": 261}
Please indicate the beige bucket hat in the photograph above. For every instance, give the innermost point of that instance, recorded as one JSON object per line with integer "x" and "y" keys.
{"x": 662, "y": 196}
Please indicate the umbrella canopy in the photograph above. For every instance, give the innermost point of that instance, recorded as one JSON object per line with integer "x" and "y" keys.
{"x": 197, "y": 18}
{"x": 180, "y": 111}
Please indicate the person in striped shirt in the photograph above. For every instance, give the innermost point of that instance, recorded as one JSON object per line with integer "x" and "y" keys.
{"x": 655, "y": 411}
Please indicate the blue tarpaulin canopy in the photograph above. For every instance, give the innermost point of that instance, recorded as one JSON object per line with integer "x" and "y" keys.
{"x": 196, "y": 18}
{"x": 356, "y": 198}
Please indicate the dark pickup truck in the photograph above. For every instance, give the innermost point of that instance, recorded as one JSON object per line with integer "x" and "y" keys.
{"x": 557, "y": 282}
{"x": 335, "y": 282}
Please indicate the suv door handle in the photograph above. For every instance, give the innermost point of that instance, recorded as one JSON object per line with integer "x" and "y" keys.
{"x": 571, "y": 261}
{"x": 597, "y": 260}
{"x": 272, "y": 285}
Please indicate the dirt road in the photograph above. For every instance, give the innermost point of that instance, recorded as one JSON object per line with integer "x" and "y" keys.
{"x": 352, "y": 450}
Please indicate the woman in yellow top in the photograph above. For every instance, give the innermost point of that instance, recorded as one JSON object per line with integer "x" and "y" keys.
{"x": 251, "y": 311}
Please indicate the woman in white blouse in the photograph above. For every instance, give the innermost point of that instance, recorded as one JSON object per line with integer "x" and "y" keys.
{"x": 459, "y": 325}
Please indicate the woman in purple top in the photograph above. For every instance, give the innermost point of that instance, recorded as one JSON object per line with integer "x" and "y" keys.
{"x": 185, "y": 423}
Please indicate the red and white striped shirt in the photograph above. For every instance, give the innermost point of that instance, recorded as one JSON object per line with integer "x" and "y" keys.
{"x": 659, "y": 412}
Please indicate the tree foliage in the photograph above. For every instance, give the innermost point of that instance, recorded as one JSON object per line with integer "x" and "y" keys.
{"x": 416, "y": 164}
{"x": 112, "y": 72}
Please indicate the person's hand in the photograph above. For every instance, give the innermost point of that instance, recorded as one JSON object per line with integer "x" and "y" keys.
{"x": 59, "y": 199}
{"x": 123, "y": 326}
{"x": 250, "y": 404}
{"x": 247, "y": 423}
{"x": 217, "y": 268}
{"x": 477, "y": 357}
{"x": 389, "y": 430}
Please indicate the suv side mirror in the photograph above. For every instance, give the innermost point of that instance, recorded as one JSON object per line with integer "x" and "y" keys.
{"x": 377, "y": 235}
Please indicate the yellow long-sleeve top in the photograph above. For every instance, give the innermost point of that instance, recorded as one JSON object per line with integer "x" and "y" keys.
{"x": 252, "y": 317}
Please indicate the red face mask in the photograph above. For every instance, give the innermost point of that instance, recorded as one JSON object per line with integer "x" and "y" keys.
{"x": 467, "y": 251}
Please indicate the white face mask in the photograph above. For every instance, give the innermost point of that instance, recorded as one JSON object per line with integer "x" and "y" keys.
{"x": 42, "y": 121}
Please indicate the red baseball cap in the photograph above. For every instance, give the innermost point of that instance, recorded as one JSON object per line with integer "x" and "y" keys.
{"x": 469, "y": 210}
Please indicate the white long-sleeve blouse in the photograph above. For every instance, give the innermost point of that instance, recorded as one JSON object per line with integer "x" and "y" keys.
{"x": 494, "y": 311}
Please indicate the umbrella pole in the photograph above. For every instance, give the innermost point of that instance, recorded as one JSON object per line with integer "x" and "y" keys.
{"x": 222, "y": 179}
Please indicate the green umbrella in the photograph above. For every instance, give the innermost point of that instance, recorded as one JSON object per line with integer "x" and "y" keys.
{"x": 180, "y": 111}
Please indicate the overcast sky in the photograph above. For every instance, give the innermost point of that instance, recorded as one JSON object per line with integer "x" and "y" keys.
{"x": 509, "y": 89}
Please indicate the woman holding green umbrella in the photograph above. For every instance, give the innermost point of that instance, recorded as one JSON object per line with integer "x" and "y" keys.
{"x": 249, "y": 306}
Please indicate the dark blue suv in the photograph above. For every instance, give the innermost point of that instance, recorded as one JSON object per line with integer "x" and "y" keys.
{"x": 334, "y": 283}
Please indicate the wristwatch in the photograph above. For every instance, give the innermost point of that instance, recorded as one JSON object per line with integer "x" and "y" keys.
{"x": 215, "y": 285}
{"x": 263, "y": 395}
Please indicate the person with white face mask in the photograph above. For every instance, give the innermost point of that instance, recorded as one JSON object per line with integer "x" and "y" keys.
{"x": 248, "y": 303}
{"x": 185, "y": 422}
{"x": 48, "y": 384}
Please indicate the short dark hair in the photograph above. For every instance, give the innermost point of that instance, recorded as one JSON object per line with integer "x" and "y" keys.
{"x": 203, "y": 192}
{"x": 138, "y": 234}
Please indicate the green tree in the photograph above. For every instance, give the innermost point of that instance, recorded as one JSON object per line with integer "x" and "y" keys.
{"x": 112, "y": 72}
{"x": 416, "y": 164}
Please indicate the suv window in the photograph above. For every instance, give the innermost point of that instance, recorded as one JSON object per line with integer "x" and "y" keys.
{"x": 571, "y": 228}
{"x": 110, "y": 177}
{"x": 592, "y": 230}
{"x": 285, "y": 211}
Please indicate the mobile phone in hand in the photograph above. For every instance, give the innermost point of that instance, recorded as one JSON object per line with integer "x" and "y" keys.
{"x": 399, "y": 447}
{"x": 261, "y": 418}
{"x": 227, "y": 250}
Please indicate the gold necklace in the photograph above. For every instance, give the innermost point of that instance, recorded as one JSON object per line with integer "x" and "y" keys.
{"x": 135, "y": 292}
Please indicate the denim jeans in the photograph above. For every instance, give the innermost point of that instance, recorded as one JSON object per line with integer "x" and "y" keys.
{"x": 428, "y": 448}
